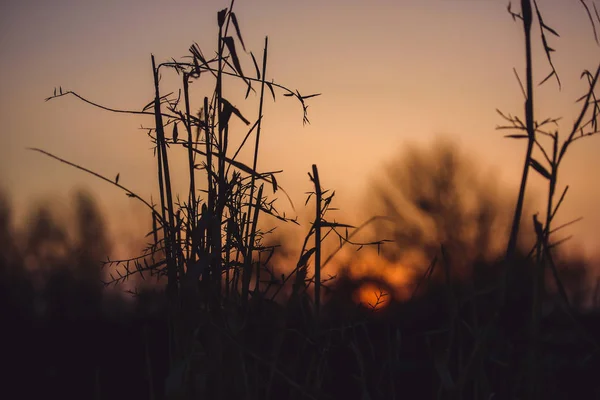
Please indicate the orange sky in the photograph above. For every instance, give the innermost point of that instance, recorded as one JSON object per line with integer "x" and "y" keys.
{"x": 391, "y": 72}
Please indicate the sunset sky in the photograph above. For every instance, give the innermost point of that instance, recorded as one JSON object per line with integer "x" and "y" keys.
{"x": 390, "y": 72}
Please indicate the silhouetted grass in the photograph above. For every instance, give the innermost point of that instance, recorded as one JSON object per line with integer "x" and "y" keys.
{"x": 232, "y": 323}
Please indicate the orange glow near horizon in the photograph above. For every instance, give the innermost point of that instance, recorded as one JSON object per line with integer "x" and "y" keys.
{"x": 371, "y": 267}
{"x": 372, "y": 296}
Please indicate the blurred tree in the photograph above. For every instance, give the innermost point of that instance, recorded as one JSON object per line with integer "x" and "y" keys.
{"x": 89, "y": 248}
{"x": 16, "y": 291}
{"x": 46, "y": 241}
{"x": 9, "y": 253}
{"x": 91, "y": 239}
{"x": 65, "y": 257}
{"x": 438, "y": 196}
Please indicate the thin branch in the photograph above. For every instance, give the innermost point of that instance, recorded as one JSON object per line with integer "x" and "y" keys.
{"x": 129, "y": 192}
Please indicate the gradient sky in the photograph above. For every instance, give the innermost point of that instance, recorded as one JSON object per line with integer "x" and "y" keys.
{"x": 391, "y": 72}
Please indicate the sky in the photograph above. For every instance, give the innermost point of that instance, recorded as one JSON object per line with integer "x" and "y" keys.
{"x": 391, "y": 73}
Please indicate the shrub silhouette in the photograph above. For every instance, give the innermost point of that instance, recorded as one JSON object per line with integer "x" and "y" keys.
{"x": 438, "y": 196}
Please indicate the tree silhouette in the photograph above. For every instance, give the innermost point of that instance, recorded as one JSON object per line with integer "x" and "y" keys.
{"x": 91, "y": 243}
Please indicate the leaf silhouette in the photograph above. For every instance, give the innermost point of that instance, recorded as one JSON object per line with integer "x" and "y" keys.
{"x": 552, "y": 31}
{"x": 305, "y": 257}
{"x": 274, "y": 183}
{"x": 236, "y": 61}
{"x": 225, "y": 114}
{"x": 175, "y": 132}
{"x": 503, "y": 116}
{"x": 516, "y": 136}
{"x": 270, "y": 86}
{"x": 221, "y": 17}
{"x": 309, "y": 96}
{"x": 197, "y": 53}
{"x": 548, "y": 77}
{"x": 255, "y": 66}
{"x": 237, "y": 29}
{"x": 249, "y": 88}
{"x": 196, "y": 72}
{"x": 227, "y": 106}
{"x": 510, "y": 11}
{"x": 326, "y": 224}
{"x": 540, "y": 168}
{"x": 308, "y": 198}
{"x": 117, "y": 178}
{"x": 148, "y": 106}
{"x": 587, "y": 10}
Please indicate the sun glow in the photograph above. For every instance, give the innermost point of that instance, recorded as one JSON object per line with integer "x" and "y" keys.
{"x": 383, "y": 280}
{"x": 372, "y": 296}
